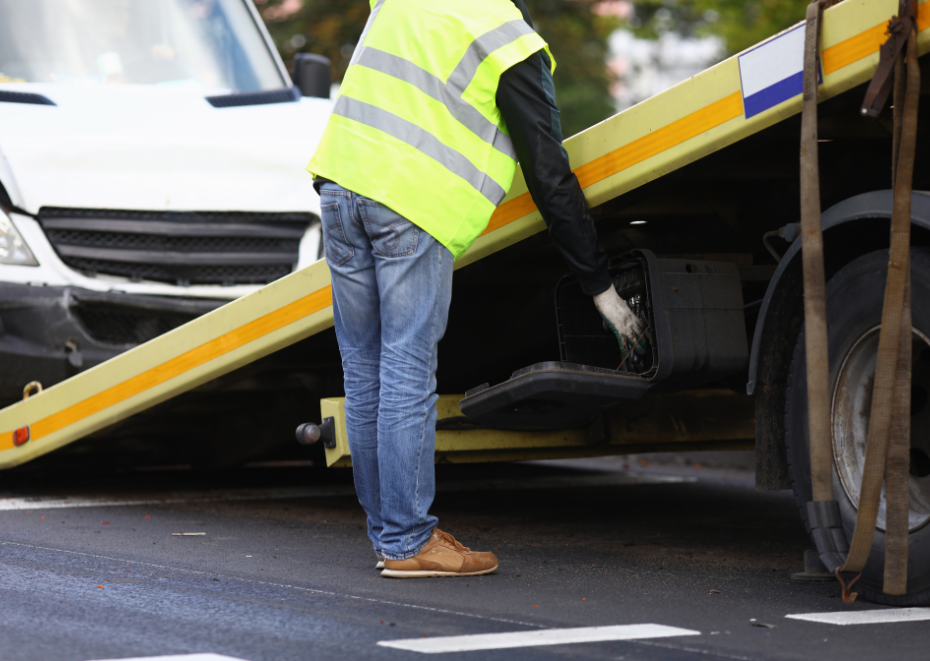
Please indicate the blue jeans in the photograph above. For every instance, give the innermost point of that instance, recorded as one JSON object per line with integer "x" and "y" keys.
{"x": 392, "y": 284}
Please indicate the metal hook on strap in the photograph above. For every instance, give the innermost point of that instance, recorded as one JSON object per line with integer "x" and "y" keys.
{"x": 848, "y": 595}
{"x": 32, "y": 388}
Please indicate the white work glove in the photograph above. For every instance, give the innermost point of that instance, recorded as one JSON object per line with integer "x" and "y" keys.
{"x": 619, "y": 318}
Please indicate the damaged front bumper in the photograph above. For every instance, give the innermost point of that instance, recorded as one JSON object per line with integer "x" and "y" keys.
{"x": 48, "y": 334}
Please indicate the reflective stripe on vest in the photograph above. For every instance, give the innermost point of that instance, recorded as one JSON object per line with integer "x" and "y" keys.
{"x": 424, "y": 141}
{"x": 416, "y": 126}
{"x": 445, "y": 93}
{"x": 451, "y": 92}
{"x": 375, "y": 9}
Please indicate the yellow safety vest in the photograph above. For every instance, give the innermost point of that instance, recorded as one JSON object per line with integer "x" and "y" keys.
{"x": 416, "y": 125}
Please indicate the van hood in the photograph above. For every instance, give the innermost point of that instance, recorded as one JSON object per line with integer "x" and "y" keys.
{"x": 158, "y": 148}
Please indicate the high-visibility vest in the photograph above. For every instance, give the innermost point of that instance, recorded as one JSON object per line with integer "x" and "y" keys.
{"x": 416, "y": 125}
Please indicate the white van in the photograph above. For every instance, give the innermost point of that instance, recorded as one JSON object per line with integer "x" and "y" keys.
{"x": 152, "y": 158}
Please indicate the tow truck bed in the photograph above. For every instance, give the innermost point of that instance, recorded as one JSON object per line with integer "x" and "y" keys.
{"x": 686, "y": 159}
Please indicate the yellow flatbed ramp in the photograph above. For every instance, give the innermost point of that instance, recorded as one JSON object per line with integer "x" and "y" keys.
{"x": 702, "y": 115}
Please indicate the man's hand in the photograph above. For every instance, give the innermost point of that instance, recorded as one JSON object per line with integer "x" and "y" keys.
{"x": 619, "y": 318}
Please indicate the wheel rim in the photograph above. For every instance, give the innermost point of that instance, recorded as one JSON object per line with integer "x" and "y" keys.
{"x": 852, "y": 402}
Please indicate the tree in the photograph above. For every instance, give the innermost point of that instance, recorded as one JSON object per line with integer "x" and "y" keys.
{"x": 327, "y": 27}
{"x": 740, "y": 23}
{"x": 577, "y": 32}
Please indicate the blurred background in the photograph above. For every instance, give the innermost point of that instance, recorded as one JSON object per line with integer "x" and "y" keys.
{"x": 611, "y": 54}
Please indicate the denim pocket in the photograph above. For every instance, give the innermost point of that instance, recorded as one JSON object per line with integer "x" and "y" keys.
{"x": 337, "y": 248}
{"x": 391, "y": 234}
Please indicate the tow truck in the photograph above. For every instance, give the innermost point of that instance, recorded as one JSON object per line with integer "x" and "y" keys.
{"x": 696, "y": 194}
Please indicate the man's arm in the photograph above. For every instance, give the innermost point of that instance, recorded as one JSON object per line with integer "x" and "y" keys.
{"x": 526, "y": 98}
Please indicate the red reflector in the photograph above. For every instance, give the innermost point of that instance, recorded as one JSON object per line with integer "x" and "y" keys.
{"x": 21, "y": 436}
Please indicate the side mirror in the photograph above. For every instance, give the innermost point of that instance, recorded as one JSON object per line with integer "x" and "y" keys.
{"x": 312, "y": 75}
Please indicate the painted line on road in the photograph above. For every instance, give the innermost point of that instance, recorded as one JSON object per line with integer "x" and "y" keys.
{"x": 884, "y": 616}
{"x": 322, "y": 491}
{"x": 182, "y": 657}
{"x": 66, "y": 502}
{"x": 499, "y": 641}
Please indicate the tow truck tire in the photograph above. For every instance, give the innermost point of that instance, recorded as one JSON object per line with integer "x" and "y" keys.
{"x": 855, "y": 297}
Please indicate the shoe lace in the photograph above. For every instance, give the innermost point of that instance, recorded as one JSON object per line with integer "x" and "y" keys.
{"x": 451, "y": 541}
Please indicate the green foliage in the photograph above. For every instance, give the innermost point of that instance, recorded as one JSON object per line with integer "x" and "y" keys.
{"x": 326, "y": 27}
{"x": 576, "y": 33}
{"x": 740, "y": 23}
{"x": 577, "y": 37}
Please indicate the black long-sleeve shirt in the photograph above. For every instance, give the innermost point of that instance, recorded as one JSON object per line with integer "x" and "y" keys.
{"x": 526, "y": 99}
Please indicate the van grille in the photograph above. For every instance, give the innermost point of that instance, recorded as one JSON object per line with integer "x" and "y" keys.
{"x": 218, "y": 248}
{"x": 225, "y": 275}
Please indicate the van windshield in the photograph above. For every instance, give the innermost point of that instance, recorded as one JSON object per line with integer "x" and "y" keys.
{"x": 203, "y": 43}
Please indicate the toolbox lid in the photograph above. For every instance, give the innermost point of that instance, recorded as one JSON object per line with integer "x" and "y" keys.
{"x": 551, "y": 395}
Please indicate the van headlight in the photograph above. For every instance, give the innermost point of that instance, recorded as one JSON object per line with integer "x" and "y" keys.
{"x": 13, "y": 250}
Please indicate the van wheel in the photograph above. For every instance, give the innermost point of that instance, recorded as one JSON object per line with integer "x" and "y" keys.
{"x": 855, "y": 297}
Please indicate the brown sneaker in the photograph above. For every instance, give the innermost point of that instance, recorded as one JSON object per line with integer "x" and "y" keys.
{"x": 379, "y": 564}
{"x": 442, "y": 556}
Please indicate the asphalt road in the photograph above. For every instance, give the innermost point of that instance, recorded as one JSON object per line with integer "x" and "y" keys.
{"x": 92, "y": 567}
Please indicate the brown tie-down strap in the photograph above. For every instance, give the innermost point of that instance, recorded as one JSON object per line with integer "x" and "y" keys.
{"x": 899, "y": 28}
{"x": 815, "y": 305}
{"x": 889, "y": 426}
{"x": 897, "y": 463}
{"x": 888, "y": 443}
{"x": 893, "y": 372}
{"x": 823, "y": 512}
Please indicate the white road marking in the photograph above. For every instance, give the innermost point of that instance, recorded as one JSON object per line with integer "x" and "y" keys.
{"x": 497, "y": 641}
{"x": 884, "y": 616}
{"x": 182, "y": 657}
{"x": 321, "y": 491}
{"x": 66, "y": 502}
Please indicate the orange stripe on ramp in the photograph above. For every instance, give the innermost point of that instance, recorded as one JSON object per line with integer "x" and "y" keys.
{"x": 179, "y": 365}
{"x": 865, "y": 43}
{"x": 631, "y": 154}
{"x": 660, "y": 140}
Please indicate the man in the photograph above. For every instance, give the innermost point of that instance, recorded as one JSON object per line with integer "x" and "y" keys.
{"x": 410, "y": 168}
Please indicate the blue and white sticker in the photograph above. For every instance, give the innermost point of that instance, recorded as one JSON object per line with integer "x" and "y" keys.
{"x": 773, "y": 72}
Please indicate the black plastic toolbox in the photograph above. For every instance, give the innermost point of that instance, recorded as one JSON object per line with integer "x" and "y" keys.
{"x": 696, "y": 328}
